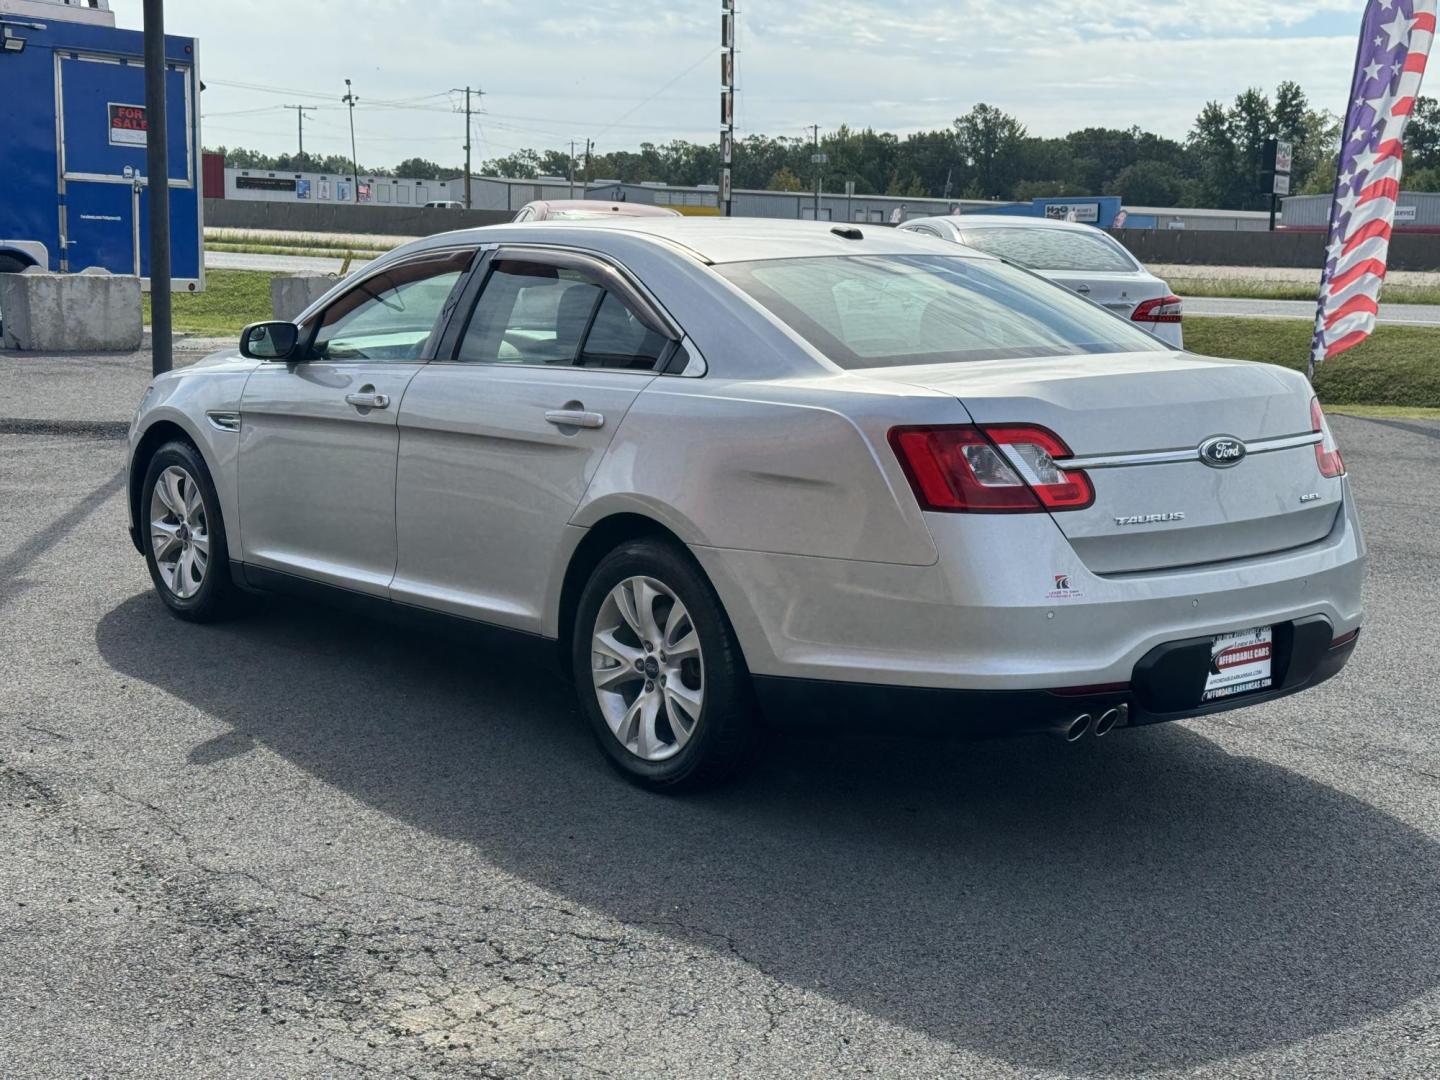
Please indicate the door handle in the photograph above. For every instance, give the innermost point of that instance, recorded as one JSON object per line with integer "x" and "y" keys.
{"x": 368, "y": 399}
{"x": 578, "y": 418}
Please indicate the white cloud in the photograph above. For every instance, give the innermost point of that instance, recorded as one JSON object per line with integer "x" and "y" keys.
{"x": 575, "y": 68}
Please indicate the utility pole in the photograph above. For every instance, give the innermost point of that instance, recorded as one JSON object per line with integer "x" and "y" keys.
{"x": 587, "y": 168}
{"x": 300, "y": 111}
{"x": 728, "y": 16}
{"x": 818, "y": 160}
{"x": 350, "y": 99}
{"x": 478, "y": 94}
{"x": 572, "y": 168}
{"x": 157, "y": 164}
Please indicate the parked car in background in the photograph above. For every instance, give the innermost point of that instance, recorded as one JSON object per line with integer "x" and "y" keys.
{"x": 445, "y": 204}
{"x": 1080, "y": 257}
{"x": 589, "y": 209}
{"x": 848, "y": 474}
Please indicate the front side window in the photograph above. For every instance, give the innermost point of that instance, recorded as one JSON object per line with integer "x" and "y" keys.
{"x": 538, "y": 313}
{"x": 1052, "y": 249}
{"x": 390, "y": 315}
{"x": 865, "y": 311}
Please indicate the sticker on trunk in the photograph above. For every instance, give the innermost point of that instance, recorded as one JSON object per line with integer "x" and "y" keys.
{"x": 1240, "y": 663}
{"x": 1064, "y": 589}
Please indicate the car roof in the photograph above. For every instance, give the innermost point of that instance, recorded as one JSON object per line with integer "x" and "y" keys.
{"x": 727, "y": 240}
{"x": 600, "y": 206}
{"x": 1006, "y": 221}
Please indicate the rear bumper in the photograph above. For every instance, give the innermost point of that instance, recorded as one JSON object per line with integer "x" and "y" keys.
{"x": 1010, "y": 607}
{"x": 1166, "y": 685}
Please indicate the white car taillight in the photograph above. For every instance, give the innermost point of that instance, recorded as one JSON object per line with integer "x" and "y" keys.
{"x": 992, "y": 469}
{"x": 1164, "y": 309}
{"x": 1327, "y": 453}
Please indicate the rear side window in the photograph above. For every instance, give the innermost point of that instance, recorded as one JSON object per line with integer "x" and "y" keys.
{"x": 537, "y": 313}
{"x": 895, "y": 310}
{"x": 1053, "y": 249}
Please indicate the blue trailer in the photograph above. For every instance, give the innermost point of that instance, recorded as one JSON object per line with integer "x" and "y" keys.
{"x": 73, "y": 183}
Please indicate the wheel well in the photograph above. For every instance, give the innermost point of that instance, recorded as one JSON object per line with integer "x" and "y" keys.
{"x": 156, "y": 436}
{"x": 604, "y": 537}
{"x": 14, "y": 255}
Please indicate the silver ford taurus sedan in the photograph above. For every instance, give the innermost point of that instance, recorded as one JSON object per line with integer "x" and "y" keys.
{"x": 743, "y": 469}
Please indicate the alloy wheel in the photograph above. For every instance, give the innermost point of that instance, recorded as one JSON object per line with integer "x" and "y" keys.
{"x": 179, "y": 533}
{"x": 647, "y": 668}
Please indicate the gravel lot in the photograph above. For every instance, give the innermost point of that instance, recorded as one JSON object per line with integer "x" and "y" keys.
{"x": 304, "y": 845}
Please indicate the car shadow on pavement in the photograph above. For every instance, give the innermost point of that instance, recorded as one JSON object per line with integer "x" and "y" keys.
{"x": 1149, "y": 902}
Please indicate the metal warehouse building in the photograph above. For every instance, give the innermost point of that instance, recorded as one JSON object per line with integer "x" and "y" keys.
{"x": 1417, "y": 211}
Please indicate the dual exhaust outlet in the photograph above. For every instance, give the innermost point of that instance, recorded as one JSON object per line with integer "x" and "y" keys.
{"x": 1099, "y": 724}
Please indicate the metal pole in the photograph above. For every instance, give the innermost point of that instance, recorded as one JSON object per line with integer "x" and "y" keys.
{"x": 350, "y": 99}
{"x": 300, "y": 111}
{"x": 816, "y": 128}
{"x": 467, "y": 148}
{"x": 157, "y": 164}
{"x": 572, "y": 168}
{"x": 587, "y": 168}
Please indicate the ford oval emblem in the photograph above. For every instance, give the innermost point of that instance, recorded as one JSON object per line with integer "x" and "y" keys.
{"x": 1222, "y": 452}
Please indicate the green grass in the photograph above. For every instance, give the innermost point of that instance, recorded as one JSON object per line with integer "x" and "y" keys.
{"x": 231, "y": 299}
{"x": 308, "y": 252}
{"x": 1242, "y": 289}
{"x": 1399, "y": 367}
{"x": 1385, "y": 412}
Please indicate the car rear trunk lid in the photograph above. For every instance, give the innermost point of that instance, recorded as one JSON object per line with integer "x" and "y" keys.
{"x": 1137, "y": 422}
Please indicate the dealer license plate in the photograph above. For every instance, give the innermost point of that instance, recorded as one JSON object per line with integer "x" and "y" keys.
{"x": 1240, "y": 663}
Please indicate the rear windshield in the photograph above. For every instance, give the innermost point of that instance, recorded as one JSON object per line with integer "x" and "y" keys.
{"x": 1052, "y": 249}
{"x": 865, "y": 311}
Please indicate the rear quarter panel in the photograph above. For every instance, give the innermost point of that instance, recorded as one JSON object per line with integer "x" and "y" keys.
{"x": 798, "y": 467}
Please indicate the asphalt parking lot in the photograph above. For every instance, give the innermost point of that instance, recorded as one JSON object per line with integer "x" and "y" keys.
{"x": 300, "y": 844}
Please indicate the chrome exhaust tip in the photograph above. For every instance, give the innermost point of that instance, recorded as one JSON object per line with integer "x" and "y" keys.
{"x": 1107, "y": 722}
{"x": 1076, "y": 729}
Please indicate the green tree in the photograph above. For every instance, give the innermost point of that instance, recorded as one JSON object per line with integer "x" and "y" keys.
{"x": 1148, "y": 183}
{"x": 784, "y": 180}
{"x": 990, "y": 141}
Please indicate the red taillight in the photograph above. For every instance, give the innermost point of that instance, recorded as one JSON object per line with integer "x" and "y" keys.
{"x": 995, "y": 469}
{"x": 1327, "y": 453}
{"x": 1164, "y": 309}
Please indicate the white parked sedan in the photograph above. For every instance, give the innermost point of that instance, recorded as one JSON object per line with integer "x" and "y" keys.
{"x": 840, "y": 474}
{"x": 1080, "y": 257}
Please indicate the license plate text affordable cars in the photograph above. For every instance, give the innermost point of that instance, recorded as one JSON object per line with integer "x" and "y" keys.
{"x": 1240, "y": 663}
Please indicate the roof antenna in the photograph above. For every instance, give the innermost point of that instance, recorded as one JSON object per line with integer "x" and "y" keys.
{"x": 848, "y": 233}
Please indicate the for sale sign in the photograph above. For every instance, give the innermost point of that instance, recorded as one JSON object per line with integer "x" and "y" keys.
{"x": 127, "y": 125}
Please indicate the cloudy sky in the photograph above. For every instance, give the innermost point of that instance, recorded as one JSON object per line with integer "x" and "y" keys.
{"x": 628, "y": 72}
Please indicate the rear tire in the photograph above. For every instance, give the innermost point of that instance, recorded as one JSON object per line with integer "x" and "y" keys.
{"x": 659, "y": 671}
{"x": 184, "y": 535}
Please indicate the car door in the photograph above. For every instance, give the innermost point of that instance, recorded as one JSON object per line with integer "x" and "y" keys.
{"x": 318, "y": 437}
{"x": 501, "y": 434}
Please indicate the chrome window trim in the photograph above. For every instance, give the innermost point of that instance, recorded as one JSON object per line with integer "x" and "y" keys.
{"x": 1173, "y": 457}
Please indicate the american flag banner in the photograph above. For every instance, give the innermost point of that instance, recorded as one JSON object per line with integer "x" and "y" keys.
{"x": 1395, "y": 45}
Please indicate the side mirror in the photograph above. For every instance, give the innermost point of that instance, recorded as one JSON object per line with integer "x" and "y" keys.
{"x": 270, "y": 341}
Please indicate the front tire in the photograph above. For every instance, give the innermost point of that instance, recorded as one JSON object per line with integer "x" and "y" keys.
{"x": 658, "y": 670}
{"x": 185, "y": 544}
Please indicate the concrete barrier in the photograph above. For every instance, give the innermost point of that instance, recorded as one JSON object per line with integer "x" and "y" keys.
{"x": 92, "y": 311}
{"x": 291, "y": 295}
{"x": 1303, "y": 250}
{"x": 345, "y": 217}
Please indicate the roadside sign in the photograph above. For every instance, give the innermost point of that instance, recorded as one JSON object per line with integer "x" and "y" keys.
{"x": 727, "y": 107}
{"x": 819, "y": 159}
{"x": 1085, "y": 212}
{"x": 1282, "y": 183}
{"x": 1284, "y": 157}
{"x": 727, "y": 30}
{"x": 727, "y": 147}
{"x": 727, "y": 69}
{"x": 849, "y": 189}
{"x": 1406, "y": 213}
{"x": 724, "y": 185}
